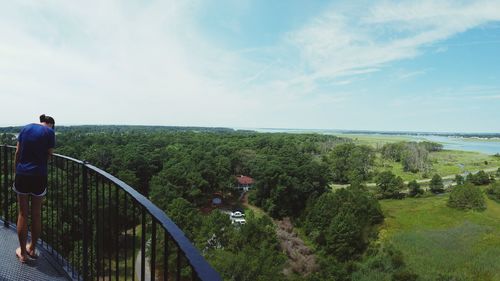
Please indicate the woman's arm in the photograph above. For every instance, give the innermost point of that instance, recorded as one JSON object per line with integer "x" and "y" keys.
{"x": 51, "y": 151}
{"x": 17, "y": 157}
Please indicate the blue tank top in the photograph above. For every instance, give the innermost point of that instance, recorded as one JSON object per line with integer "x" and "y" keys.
{"x": 35, "y": 140}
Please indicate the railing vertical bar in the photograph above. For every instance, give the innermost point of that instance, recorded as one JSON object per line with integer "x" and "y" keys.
{"x": 194, "y": 277}
{"x": 91, "y": 225}
{"x": 117, "y": 234}
{"x": 57, "y": 220}
{"x": 80, "y": 222}
{"x": 59, "y": 201}
{"x": 153, "y": 249}
{"x": 85, "y": 222}
{"x": 1, "y": 183}
{"x": 179, "y": 264}
{"x": 51, "y": 208}
{"x": 103, "y": 229}
{"x": 98, "y": 230}
{"x": 13, "y": 198}
{"x": 67, "y": 208}
{"x": 133, "y": 241}
{"x": 68, "y": 202}
{"x": 143, "y": 244}
{"x": 165, "y": 255}
{"x": 5, "y": 188}
{"x": 125, "y": 229}
{"x": 11, "y": 194}
{"x": 73, "y": 224}
{"x": 110, "y": 253}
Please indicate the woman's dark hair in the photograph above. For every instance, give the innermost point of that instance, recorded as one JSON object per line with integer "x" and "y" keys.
{"x": 47, "y": 119}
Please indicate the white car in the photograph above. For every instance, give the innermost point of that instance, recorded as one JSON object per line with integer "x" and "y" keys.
{"x": 237, "y": 214}
{"x": 237, "y": 218}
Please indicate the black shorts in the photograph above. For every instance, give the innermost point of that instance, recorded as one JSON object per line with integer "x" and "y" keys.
{"x": 30, "y": 185}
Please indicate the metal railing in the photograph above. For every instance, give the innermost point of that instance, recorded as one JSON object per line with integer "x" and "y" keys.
{"x": 99, "y": 228}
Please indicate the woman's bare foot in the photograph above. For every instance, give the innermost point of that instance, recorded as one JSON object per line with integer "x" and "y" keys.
{"x": 22, "y": 257}
{"x": 31, "y": 251}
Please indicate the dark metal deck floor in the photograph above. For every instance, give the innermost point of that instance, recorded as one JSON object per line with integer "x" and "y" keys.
{"x": 41, "y": 269}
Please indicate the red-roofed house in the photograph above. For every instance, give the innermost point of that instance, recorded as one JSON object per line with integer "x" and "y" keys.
{"x": 244, "y": 182}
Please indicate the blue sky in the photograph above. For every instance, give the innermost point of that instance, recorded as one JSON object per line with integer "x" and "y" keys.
{"x": 366, "y": 65}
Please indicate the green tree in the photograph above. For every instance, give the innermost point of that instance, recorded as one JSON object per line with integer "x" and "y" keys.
{"x": 389, "y": 186}
{"x": 480, "y": 178}
{"x": 8, "y": 139}
{"x": 467, "y": 197}
{"x": 343, "y": 238}
{"x": 185, "y": 215}
{"x": 459, "y": 179}
{"x": 414, "y": 189}
{"x": 436, "y": 185}
{"x": 393, "y": 151}
{"x": 215, "y": 232}
{"x": 494, "y": 191}
{"x": 350, "y": 163}
{"x": 252, "y": 254}
{"x": 431, "y": 146}
{"x": 415, "y": 157}
{"x": 339, "y": 221}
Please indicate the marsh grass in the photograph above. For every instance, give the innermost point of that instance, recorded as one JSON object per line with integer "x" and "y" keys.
{"x": 436, "y": 239}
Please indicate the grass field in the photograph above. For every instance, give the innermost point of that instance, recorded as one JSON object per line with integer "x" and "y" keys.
{"x": 436, "y": 239}
{"x": 444, "y": 163}
{"x": 375, "y": 141}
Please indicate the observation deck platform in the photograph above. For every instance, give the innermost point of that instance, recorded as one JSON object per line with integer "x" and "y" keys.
{"x": 44, "y": 268}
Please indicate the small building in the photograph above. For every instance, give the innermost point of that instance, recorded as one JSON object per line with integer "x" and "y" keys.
{"x": 244, "y": 183}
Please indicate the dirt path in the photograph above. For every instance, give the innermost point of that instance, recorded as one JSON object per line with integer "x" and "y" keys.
{"x": 301, "y": 259}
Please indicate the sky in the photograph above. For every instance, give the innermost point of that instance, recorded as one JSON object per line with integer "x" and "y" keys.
{"x": 424, "y": 65}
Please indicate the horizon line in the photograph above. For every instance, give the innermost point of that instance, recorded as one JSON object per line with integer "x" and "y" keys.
{"x": 343, "y": 131}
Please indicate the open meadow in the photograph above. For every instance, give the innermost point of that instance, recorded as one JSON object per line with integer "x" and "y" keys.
{"x": 445, "y": 162}
{"x": 436, "y": 239}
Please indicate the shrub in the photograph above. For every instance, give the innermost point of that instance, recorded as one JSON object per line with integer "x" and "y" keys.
{"x": 480, "y": 178}
{"x": 436, "y": 185}
{"x": 339, "y": 221}
{"x": 459, "y": 179}
{"x": 414, "y": 189}
{"x": 467, "y": 197}
{"x": 389, "y": 185}
{"x": 493, "y": 192}
{"x": 404, "y": 276}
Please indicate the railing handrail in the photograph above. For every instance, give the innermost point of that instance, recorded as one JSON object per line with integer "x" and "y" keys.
{"x": 200, "y": 266}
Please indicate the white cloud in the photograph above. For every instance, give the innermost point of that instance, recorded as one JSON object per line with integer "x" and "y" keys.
{"x": 403, "y": 75}
{"x": 111, "y": 62}
{"x": 348, "y": 40}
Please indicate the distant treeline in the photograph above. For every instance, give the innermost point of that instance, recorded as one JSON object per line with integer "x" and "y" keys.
{"x": 406, "y": 133}
{"x": 124, "y": 128}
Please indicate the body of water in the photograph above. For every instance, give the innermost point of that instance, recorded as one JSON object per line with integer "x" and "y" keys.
{"x": 491, "y": 146}
{"x": 467, "y": 144}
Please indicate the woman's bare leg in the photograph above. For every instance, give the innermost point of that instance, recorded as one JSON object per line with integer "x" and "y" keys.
{"x": 22, "y": 224}
{"x": 36, "y": 221}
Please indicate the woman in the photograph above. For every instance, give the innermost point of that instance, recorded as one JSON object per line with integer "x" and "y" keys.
{"x": 35, "y": 144}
